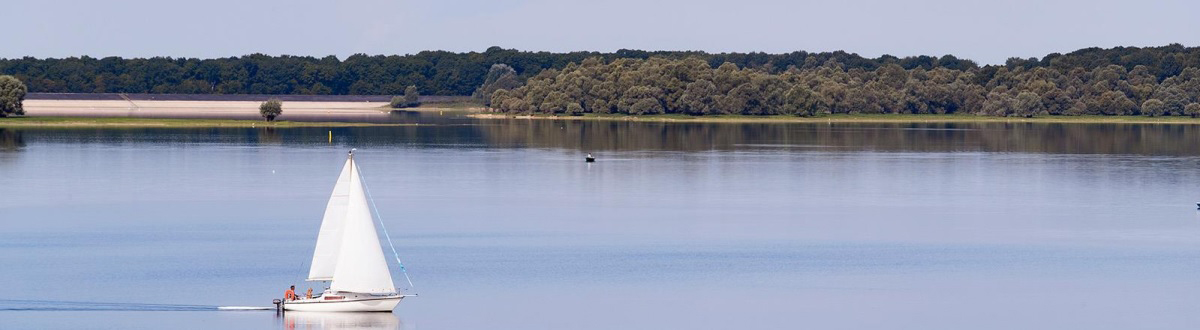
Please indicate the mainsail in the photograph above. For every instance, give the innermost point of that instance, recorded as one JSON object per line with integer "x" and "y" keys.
{"x": 361, "y": 266}
{"x": 329, "y": 241}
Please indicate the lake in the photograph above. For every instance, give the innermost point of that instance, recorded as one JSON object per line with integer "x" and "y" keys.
{"x": 502, "y": 225}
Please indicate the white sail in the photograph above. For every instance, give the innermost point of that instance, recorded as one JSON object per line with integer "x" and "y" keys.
{"x": 361, "y": 266}
{"x": 329, "y": 241}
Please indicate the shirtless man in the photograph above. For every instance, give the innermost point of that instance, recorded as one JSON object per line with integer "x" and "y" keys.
{"x": 290, "y": 294}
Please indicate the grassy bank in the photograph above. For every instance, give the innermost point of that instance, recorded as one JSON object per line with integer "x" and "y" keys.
{"x": 859, "y": 118}
{"x": 162, "y": 122}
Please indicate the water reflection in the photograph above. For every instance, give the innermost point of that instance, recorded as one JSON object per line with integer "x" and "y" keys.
{"x": 10, "y": 140}
{"x": 598, "y": 136}
{"x": 319, "y": 320}
{"x": 269, "y": 135}
{"x": 1149, "y": 139}
{"x": 404, "y": 115}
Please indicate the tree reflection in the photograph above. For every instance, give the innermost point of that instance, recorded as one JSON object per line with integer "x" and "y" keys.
{"x": 1148, "y": 139}
{"x": 268, "y": 135}
{"x": 586, "y": 136}
{"x": 11, "y": 140}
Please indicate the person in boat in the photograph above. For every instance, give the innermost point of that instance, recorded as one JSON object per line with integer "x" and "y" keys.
{"x": 308, "y": 295}
{"x": 290, "y": 294}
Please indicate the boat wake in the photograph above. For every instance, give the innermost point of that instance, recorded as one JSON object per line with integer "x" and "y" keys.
{"x": 245, "y": 308}
{"x": 56, "y": 305}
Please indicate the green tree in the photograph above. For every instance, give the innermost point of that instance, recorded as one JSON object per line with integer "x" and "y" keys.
{"x": 397, "y": 102}
{"x": 600, "y": 106}
{"x": 574, "y": 109}
{"x": 412, "y": 98}
{"x": 270, "y": 109}
{"x": 697, "y": 99}
{"x": 498, "y": 97}
{"x": 500, "y": 76}
{"x": 800, "y": 101}
{"x": 998, "y": 104}
{"x": 1152, "y": 107}
{"x": 646, "y": 106}
{"x": 1174, "y": 98}
{"x": 12, "y": 96}
{"x": 320, "y": 89}
{"x": 515, "y": 104}
{"x": 555, "y": 102}
{"x": 1056, "y": 101}
{"x": 641, "y": 100}
{"x": 1115, "y": 103}
{"x": 1192, "y": 109}
{"x": 1028, "y": 104}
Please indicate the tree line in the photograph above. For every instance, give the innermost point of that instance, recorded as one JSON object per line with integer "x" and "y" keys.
{"x": 432, "y": 72}
{"x": 1119, "y": 81}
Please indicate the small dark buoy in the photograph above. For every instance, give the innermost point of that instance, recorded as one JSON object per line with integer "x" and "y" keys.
{"x": 590, "y": 159}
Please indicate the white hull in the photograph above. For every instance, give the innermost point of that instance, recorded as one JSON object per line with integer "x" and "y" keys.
{"x": 381, "y": 304}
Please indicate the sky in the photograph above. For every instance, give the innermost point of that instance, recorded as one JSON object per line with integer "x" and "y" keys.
{"x": 985, "y": 31}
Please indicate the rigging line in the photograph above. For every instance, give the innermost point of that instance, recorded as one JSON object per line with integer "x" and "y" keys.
{"x": 302, "y": 277}
{"x": 385, "y": 232}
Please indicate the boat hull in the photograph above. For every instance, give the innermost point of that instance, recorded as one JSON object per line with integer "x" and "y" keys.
{"x": 380, "y": 304}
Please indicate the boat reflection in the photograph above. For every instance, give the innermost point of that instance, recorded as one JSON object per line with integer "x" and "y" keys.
{"x": 341, "y": 320}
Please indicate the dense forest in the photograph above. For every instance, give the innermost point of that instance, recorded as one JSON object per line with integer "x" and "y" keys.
{"x": 433, "y": 72}
{"x": 1115, "y": 81}
{"x": 1120, "y": 81}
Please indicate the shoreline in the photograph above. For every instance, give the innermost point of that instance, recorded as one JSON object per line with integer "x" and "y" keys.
{"x": 859, "y": 118}
{"x": 176, "y": 113}
{"x": 207, "y": 113}
{"x": 150, "y": 108}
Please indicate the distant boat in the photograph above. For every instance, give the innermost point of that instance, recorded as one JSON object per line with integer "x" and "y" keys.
{"x": 348, "y": 254}
{"x": 589, "y": 159}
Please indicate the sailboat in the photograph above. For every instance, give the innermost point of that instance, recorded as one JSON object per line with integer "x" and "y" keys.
{"x": 348, "y": 255}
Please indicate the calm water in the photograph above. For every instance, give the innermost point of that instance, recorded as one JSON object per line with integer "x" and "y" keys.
{"x": 705, "y": 226}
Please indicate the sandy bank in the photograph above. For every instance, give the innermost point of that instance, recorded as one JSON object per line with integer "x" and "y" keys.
{"x": 203, "y": 109}
{"x": 125, "y": 122}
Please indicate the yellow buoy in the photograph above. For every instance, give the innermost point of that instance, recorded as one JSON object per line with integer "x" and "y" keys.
{"x": 330, "y": 136}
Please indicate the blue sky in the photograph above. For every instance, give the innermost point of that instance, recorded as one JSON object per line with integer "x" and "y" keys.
{"x": 986, "y": 31}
